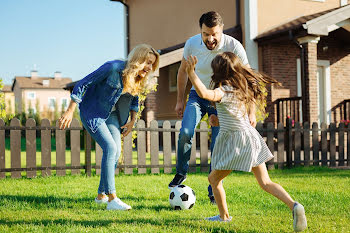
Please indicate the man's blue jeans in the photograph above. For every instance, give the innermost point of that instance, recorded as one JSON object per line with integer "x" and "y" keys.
{"x": 196, "y": 108}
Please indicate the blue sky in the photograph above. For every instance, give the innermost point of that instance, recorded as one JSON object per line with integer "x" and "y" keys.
{"x": 74, "y": 37}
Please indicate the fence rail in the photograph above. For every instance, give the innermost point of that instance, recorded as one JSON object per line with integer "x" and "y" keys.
{"x": 292, "y": 145}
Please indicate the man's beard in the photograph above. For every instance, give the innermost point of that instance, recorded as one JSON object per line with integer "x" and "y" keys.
{"x": 214, "y": 45}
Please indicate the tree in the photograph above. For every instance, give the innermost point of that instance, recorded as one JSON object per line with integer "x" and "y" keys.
{"x": 2, "y": 102}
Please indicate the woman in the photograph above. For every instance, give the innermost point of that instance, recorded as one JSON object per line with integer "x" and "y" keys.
{"x": 105, "y": 98}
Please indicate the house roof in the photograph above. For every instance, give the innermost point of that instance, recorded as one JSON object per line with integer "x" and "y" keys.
{"x": 6, "y": 88}
{"x": 320, "y": 23}
{"x": 37, "y": 83}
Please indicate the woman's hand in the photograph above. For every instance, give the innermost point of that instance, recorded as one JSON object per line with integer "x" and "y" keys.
{"x": 191, "y": 64}
{"x": 67, "y": 117}
{"x": 65, "y": 120}
{"x": 127, "y": 128}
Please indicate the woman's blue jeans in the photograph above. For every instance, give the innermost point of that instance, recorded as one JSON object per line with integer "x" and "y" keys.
{"x": 109, "y": 138}
{"x": 196, "y": 108}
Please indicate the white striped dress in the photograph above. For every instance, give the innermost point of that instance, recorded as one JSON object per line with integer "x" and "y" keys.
{"x": 238, "y": 145}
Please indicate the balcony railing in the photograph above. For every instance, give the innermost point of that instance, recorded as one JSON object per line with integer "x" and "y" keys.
{"x": 289, "y": 108}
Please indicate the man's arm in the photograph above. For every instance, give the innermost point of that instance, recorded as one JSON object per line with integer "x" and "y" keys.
{"x": 181, "y": 88}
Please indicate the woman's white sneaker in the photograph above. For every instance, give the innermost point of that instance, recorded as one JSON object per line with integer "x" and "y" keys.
{"x": 104, "y": 200}
{"x": 117, "y": 204}
{"x": 299, "y": 218}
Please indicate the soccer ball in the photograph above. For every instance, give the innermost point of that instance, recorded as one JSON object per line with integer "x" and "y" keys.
{"x": 182, "y": 197}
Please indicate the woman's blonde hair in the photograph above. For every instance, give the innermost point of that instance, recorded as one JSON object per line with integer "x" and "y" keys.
{"x": 136, "y": 59}
{"x": 249, "y": 84}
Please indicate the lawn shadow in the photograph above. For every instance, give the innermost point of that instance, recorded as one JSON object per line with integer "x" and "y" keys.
{"x": 46, "y": 201}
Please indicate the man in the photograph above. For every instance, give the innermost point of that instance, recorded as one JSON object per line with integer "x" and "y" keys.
{"x": 205, "y": 46}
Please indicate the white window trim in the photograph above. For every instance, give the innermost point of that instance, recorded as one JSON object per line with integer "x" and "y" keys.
{"x": 66, "y": 100}
{"x": 49, "y": 107}
{"x": 326, "y": 65}
{"x": 251, "y": 32}
{"x": 31, "y": 92}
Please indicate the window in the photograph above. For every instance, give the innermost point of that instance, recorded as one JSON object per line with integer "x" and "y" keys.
{"x": 64, "y": 103}
{"x": 173, "y": 69}
{"x": 52, "y": 103}
{"x": 31, "y": 95}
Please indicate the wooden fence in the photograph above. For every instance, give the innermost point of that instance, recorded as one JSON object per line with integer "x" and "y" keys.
{"x": 293, "y": 145}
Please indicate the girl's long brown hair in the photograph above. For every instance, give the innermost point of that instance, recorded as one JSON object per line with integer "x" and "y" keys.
{"x": 249, "y": 85}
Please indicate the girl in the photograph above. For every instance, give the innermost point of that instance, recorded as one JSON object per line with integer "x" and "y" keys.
{"x": 239, "y": 146}
{"x": 105, "y": 98}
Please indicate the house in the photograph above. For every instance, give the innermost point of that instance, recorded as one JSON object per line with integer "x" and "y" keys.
{"x": 9, "y": 98}
{"x": 304, "y": 44}
{"x": 41, "y": 93}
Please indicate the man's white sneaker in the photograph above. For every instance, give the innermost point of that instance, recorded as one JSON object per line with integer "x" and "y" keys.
{"x": 299, "y": 222}
{"x": 104, "y": 200}
{"x": 117, "y": 204}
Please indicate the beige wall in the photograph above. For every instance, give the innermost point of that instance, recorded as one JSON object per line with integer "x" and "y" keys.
{"x": 18, "y": 98}
{"x": 9, "y": 102}
{"x": 165, "y": 23}
{"x": 43, "y": 97}
{"x": 40, "y": 94}
{"x": 272, "y": 13}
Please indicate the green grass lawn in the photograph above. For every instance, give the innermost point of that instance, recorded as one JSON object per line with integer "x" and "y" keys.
{"x": 65, "y": 204}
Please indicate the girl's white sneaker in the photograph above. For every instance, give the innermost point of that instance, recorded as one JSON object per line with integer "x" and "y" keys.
{"x": 217, "y": 218}
{"x": 299, "y": 218}
{"x": 104, "y": 200}
{"x": 117, "y": 204}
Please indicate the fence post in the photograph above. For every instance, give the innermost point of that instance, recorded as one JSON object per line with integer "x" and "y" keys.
{"x": 60, "y": 150}
{"x": 280, "y": 145}
{"x": 75, "y": 146}
{"x": 270, "y": 144}
{"x": 341, "y": 144}
{"x": 348, "y": 145}
{"x": 315, "y": 144}
{"x": 332, "y": 129}
{"x": 289, "y": 142}
{"x": 177, "y": 127}
{"x": 154, "y": 147}
{"x": 87, "y": 139}
{"x": 297, "y": 144}
{"x": 2, "y": 148}
{"x": 167, "y": 147}
{"x": 204, "y": 147}
{"x": 324, "y": 144}
{"x": 306, "y": 143}
{"x": 45, "y": 137}
{"x": 15, "y": 141}
{"x": 127, "y": 153}
{"x": 141, "y": 146}
{"x": 31, "y": 148}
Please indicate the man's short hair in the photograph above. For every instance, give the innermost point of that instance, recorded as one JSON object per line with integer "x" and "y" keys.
{"x": 210, "y": 19}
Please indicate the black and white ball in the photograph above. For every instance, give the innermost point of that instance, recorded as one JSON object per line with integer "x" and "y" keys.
{"x": 182, "y": 197}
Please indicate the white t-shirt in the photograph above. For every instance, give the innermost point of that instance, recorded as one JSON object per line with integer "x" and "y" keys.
{"x": 196, "y": 47}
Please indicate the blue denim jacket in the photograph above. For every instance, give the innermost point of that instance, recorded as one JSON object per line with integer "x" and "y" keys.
{"x": 98, "y": 92}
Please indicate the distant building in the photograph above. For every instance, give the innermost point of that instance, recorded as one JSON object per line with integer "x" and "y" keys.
{"x": 9, "y": 99}
{"x": 45, "y": 92}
